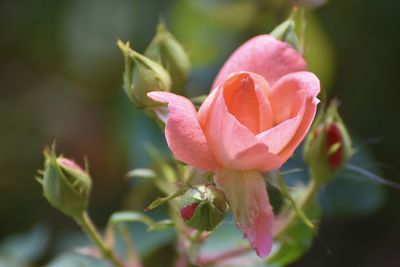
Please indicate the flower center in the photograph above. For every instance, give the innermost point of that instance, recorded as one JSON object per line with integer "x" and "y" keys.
{"x": 241, "y": 101}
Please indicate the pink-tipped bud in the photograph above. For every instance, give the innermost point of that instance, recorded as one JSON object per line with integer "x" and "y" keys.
{"x": 68, "y": 163}
{"x": 66, "y": 186}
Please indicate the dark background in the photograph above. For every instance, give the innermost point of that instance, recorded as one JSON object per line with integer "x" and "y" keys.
{"x": 61, "y": 75}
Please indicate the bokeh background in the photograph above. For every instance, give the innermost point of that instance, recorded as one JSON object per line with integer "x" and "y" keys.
{"x": 61, "y": 76}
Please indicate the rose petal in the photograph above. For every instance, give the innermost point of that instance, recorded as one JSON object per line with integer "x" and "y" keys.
{"x": 303, "y": 85}
{"x": 183, "y": 132}
{"x": 287, "y": 100}
{"x": 242, "y": 102}
{"x": 248, "y": 198}
{"x": 262, "y": 89}
{"x": 265, "y": 56}
{"x": 279, "y": 136}
{"x": 205, "y": 108}
{"x": 233, "y": 145}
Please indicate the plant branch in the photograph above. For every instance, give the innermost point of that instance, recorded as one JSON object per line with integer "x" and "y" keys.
{"x": 90, "y": 229}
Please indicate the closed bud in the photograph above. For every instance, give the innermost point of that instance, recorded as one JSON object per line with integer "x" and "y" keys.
{"x": 167, "y": 51}
{"x": 203, "y": 207}
{"x": 328, "y": 146}
{"x": 141, "y": 76}
{"x": 65, "y": 184}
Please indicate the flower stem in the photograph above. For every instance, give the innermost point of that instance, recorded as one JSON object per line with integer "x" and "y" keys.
{"x": 195, "y": 243}
{"x": 90, "y": 229}
{"x": 311, "y": 191}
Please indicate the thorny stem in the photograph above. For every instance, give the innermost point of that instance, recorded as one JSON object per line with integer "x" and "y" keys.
{"x": 311, "y": 191}
{"x": 90, "y": 229}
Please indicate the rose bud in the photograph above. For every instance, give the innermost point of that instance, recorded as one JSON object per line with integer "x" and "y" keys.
{"x": 203, "y": 207}
{"x": 65, "y": 184}
{"x": 167, "y": 51}
{"x": 141, "y": 76}
{"x": 328, "y": 146}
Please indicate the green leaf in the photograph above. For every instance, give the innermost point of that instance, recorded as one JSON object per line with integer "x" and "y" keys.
{"x": 161, "y": 200}
{"x": 133, "y": 216}
{"x": 146, "y": 236}
{"x": 130, "y": 216}
{"x": 12, "y": 261}
{"x": 27, "y": 246}
{"x": 161, "y": 225}
{"x": 141, "y": 173}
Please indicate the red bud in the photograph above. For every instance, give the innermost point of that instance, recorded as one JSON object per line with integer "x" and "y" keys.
{"x": 333, "y": 136}
{"x": 188, "y": 211}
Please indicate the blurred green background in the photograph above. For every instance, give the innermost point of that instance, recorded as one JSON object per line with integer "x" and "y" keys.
{"x": 61, "y": 76}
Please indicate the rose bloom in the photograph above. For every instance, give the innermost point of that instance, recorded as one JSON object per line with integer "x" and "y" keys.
{"x": 261, "y": 106}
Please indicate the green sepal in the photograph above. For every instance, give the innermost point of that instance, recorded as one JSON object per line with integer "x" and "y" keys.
{"x": 300, "y": 213}
{"x": 168, "y": 52}
{"x": 161, "y": 200}
{"x": 206, "y": 217}
{"x": 286, "y": 33}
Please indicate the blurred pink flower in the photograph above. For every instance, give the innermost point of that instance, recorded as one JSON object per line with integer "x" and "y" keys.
{"x": 260, "y": 108}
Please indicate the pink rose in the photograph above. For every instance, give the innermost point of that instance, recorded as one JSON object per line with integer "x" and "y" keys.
{"x": 259, "y": 110}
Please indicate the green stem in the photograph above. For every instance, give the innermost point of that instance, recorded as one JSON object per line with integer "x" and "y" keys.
{"x": 195, "y": 244}
{"x": 311, "y": 191}
{"x": 90, "y": 229}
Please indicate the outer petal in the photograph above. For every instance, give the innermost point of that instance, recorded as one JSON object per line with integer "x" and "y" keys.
{"x": 263, "y": 55}
{"x": 303, "y": 84}
{"x": 183, "y": 132}
{"x": 234, "y": 145}
{"x": 247, "y": 196}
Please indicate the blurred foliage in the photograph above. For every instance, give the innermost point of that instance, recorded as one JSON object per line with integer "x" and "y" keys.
{"x": 61, "y": 76}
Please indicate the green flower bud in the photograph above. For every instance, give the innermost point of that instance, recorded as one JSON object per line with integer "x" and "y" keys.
{"x": 141, "y": 76}
{"x": 167, "y": 51}
{"x": 203, "y": 207}
{"x": 65, "y": 184}
{"x": 328, "y": 146}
